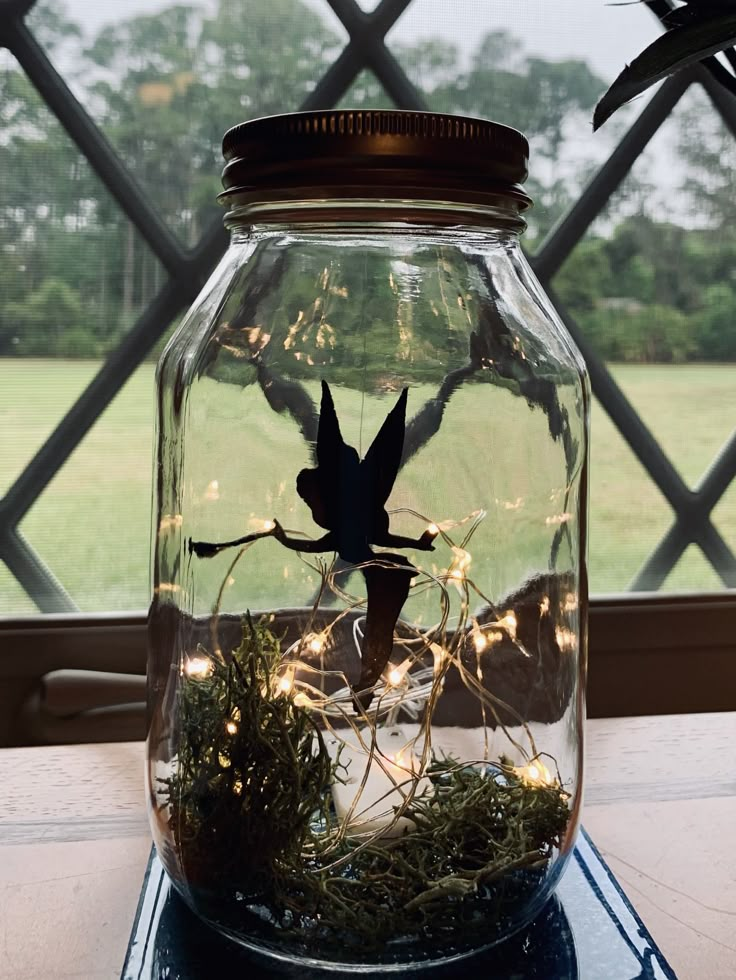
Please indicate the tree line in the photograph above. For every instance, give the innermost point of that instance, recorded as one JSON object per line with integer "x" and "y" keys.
{"x": 164, "y": 88}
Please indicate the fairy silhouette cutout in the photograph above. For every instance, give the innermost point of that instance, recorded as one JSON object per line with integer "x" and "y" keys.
{"x": 347, "y": 497}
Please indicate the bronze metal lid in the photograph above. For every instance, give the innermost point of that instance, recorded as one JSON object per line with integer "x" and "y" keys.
{"x": 386, "y": 154}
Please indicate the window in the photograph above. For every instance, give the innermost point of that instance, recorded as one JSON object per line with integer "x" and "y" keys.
{"x": 110, "y": 121}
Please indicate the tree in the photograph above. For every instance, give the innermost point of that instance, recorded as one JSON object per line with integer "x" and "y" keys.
{"x": 46, "y": 235}
{"x": 44, "y": 316}
{"x": 536, "y": 95}
{"x": 586, "y": 276}
{"x": 708, "y": 150}
{"x": 715, "y": 324}
{"x": 165, "y": 87}
{"x": 169, "y": 85}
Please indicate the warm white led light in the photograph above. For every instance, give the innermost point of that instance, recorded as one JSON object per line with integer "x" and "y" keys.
{"x": 535, "y": 773}
{"x": 509, "y": 622}
{"x": 566, "y": 639}
{"x": 198, "y": 667}
{"x": 460, "y": 564}
{"x": 316, "y": 643}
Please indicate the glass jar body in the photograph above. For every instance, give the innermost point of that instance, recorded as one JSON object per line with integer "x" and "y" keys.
{"x": 368, "y": 629}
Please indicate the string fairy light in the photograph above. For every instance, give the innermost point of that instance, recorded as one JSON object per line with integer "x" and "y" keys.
{"x": 171, "y": 587}
{"x": 570, "y": 603}
{"x": 509, "y": 623}
{"x": 566, "y": 638}
{"x": 316, "y": 642}
{"x": 169, "y": 521}
{"x": 554, "y": 519}
{"x": 407, "y": 686}
{"x": 535, "y": 773}
{"x": 460, "y": 565}
{"x": 198, "y": 667}
{"x": 373, "y": 797}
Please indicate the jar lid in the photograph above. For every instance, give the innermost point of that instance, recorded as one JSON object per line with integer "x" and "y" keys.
{"x": 376, "y": 153}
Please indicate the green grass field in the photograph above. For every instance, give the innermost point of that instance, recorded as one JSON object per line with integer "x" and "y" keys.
{"x": 92, "y": 524}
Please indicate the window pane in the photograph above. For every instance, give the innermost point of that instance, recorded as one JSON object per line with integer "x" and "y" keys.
{"x": 74, "y": 277}
{"x": 35, "y": 392}
{"x": 165, "y": 80}
{"x": 652, "y": 288}
{"x": 14, "y": 601}
{"x": 628, "y": 514}
{"x": 538, "y": 66}
{"x": 652, "y": 284}
{"x": 724, "y": 516}
{"x": 690, "y": 408}
{"x": 92, "y": 523}
{"x": 693, "y": 573}
{"x": 366, "y": 92}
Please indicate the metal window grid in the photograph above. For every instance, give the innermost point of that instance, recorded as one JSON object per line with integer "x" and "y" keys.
{"x": 187, "y": 270}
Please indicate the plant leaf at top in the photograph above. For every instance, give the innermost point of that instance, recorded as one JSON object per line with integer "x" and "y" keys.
{"x": 678, "y": 48}
{"x": 695, "y": 10}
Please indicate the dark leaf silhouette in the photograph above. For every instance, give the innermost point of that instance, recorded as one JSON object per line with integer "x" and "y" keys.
{"x": 699, "y": 31}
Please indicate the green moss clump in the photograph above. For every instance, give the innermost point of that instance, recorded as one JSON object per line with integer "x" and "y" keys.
{"x": 481, "y": 842}
{"x": 252, "y": 774}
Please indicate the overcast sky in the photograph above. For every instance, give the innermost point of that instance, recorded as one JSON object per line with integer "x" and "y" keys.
{"x": 604, "y": 35}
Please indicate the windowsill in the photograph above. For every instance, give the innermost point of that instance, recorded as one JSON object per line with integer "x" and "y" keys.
{"x": 648, "y": 653}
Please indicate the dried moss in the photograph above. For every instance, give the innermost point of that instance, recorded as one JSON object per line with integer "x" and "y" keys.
{"x": 251, "y": 814}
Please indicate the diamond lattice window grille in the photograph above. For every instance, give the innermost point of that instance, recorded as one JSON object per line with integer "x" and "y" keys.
{"x": 187, "y": 270}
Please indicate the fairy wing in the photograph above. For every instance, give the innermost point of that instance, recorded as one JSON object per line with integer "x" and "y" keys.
{"x": 347, "y": 496}
{"x": 380, "y": 466}
{"x": 326, "y": 488}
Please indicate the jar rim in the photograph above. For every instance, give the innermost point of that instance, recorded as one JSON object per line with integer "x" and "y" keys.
{"x": 495, "y": 212}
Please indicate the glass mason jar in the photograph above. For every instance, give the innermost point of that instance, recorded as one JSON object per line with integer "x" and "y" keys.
{"x": 368, "y": 628}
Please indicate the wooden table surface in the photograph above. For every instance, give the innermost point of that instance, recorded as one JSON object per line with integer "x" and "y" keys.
{"x": 660, "y": 805}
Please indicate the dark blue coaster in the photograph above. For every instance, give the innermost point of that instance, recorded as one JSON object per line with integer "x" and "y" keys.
{"x": 587, "y": 931}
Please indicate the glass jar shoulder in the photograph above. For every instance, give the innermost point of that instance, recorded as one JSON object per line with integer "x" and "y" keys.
{"x": 176, "y": 364}
{"x": 302, "y": 291}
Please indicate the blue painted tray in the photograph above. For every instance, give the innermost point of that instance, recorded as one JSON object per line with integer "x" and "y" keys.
{"x": 587, "y": 931}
